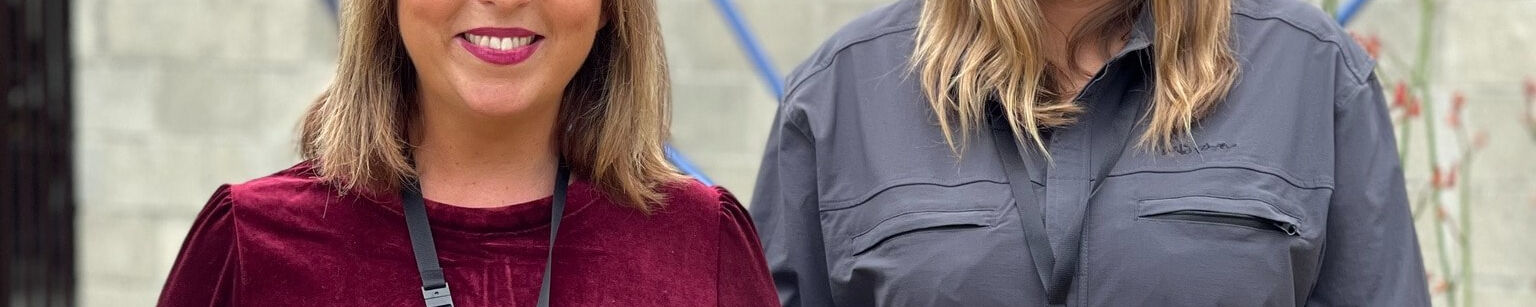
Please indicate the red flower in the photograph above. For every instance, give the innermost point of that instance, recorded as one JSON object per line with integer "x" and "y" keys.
{"x": 1530, "y": 102}
{"x": 1480, "y": 140}
{"x": 1450, "y": 178}
{"x": 1371, "y": 43}
{"x": 1399, "y": 94}
{"x": 1530, "y": 88}
{"x": 1412, "y": 106}
{"x": 1443, "y": 179}
{"x": 1458, "y": 103}
{"x": 1439, "y": 285}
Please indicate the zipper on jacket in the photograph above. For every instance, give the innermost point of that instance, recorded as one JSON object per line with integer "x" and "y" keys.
{"x": 1229, "y": 219}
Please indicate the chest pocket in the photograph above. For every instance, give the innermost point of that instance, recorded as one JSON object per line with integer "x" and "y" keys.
{"x": 1248, "y": 213}
{"x": 899, "y": 244}
{"x": 1246, "y": 197}
{"x": 1205, "y": 236}
{"x": 854, "y": 228}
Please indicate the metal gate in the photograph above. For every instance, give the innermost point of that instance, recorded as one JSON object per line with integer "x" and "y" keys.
{"x": 37, "y": 205}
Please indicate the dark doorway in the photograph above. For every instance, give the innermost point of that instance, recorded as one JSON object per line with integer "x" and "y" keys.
{"x": 37, "y": 201}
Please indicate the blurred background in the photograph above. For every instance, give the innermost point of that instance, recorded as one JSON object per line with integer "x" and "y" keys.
{"x": 122, "y": 116}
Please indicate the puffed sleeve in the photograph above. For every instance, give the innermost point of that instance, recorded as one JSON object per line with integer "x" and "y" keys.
{"x": 1371, "y": 253}
{"x": 205, "y": 270}
{"x": 743, "y": 274}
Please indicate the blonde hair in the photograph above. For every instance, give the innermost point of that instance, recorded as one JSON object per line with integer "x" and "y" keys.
{"x": 970, "y": 51}
{"x": 613, "y": 115}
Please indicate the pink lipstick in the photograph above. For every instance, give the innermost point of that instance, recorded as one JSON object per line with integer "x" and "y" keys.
{"x": 500, "y": 46}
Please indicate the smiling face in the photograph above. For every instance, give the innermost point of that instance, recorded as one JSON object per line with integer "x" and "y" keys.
{"x": 497, "y": 57}
{"x": 361, "y": 131}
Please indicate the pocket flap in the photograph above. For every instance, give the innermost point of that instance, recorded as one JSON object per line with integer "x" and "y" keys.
{"x": 914, "y": 221}
{"x": 904, "y": 208}
{"x": 1249, "y": 207}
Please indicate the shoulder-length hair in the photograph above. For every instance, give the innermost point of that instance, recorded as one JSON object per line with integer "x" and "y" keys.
{"x": 613, "y": 118}
{"x": 969, "y": 51}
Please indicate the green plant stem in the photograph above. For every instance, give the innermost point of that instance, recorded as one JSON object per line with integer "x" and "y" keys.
{"x": 1445, "y": 262}
{"x": 1465, "y": 197}
{"x": 1420, "y": 77}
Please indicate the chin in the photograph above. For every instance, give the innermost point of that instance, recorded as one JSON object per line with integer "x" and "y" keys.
{"x": 498, "y": 100}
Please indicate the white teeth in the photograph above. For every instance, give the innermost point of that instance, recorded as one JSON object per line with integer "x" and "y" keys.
{"x": 498, "y": 43}
{"x": 475, "y": 39}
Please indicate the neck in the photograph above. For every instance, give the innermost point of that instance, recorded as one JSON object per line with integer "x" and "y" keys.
{"x": 471, "y": 160}
{"x": 1066, "y": 14}
{"x": 1062, "y": 17}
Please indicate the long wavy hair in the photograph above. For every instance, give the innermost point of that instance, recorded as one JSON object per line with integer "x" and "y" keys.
{"x": 613, "y": 117}
{"x": 971, "y": 51}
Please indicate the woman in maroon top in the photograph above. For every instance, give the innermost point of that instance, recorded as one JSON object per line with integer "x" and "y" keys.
{"x": 473, "y": 112}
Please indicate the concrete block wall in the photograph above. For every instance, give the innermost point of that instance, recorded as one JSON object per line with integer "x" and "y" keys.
{"x": 175, "y": 97}
{"x": 722, "y": 109}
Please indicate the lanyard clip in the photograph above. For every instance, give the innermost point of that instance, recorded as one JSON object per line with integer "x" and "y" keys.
{"x": 437, "y": 297}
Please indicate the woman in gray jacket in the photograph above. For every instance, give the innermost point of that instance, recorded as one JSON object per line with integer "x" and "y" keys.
{"x": 1087, "y": 153}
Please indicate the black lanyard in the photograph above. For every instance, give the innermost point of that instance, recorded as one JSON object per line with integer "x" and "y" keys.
{"x": 1056, "y": 274}
{"x": 434, "y": 288}
{"x": 1032, "y": 215}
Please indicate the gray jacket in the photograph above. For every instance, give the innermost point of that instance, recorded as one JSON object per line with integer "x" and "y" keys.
{"x": 1290, "y": 194}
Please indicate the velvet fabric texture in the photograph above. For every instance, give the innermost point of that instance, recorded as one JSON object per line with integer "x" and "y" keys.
{"x": 289, "y": 239}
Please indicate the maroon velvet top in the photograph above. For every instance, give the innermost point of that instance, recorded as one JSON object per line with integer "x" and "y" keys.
{"x": 289, "y": 239}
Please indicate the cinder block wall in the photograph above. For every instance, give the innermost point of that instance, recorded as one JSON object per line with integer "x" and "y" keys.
{"x": 175, "y": 97}
{"x": 722, "y": 107}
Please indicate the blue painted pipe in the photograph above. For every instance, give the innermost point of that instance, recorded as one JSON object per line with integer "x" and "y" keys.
{"x": 749, "y": 45}
{"x": 683, "y": 164}
{"x": 1348, "y": 10}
